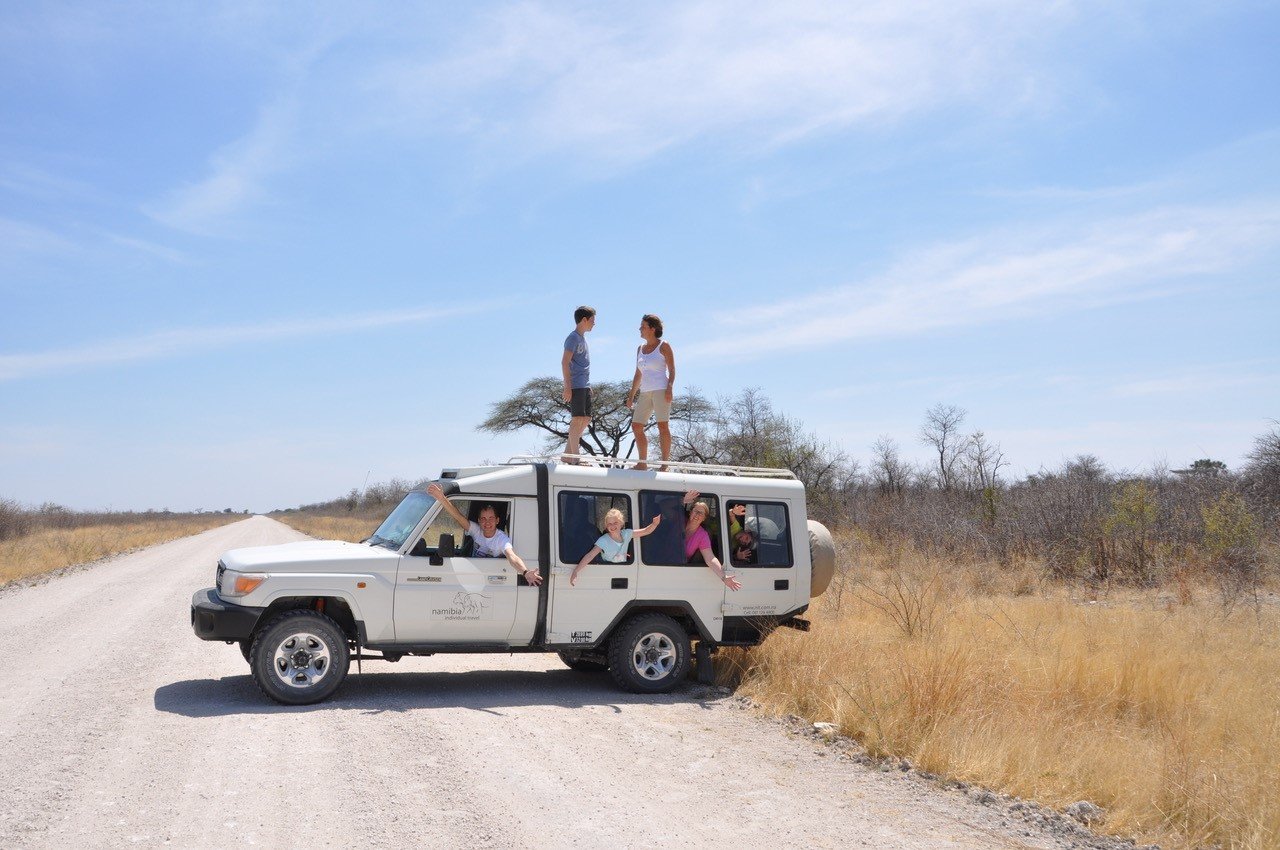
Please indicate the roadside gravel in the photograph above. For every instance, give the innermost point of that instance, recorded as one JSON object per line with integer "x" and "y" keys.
{"x": 118, "y": 727}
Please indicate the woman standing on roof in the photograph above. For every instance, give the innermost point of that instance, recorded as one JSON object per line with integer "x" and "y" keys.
{"x": 652, "y": 388}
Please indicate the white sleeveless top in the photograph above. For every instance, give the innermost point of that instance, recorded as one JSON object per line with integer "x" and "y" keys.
{"x": 653, "y": 369}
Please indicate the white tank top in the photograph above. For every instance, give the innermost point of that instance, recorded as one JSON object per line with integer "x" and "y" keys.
{"x": 653, "y": 369}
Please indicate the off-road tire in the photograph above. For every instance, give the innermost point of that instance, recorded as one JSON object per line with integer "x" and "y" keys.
{"x": 649, "y": 654}
{"x": 299, "y": 657}
{"x": 584, "y": 665}
{"x": 822, "y": 558}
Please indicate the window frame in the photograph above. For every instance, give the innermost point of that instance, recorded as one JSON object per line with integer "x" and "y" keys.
{"x": 433, "y": 547}
{"x": 786, "y": 536}
{"x": 711, "y": 499}
{"x": 628, "y": 522}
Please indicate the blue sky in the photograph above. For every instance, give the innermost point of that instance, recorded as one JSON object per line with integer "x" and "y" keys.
{"x": 250, "y": 256}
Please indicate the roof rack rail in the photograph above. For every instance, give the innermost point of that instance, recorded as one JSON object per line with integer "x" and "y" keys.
{"x": 671, "y": 465}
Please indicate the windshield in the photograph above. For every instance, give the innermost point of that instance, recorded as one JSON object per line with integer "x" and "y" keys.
{"x": 396, "y": 528}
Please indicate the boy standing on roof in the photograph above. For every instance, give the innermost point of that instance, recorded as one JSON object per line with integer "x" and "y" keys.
{"x": 576, "y": 368}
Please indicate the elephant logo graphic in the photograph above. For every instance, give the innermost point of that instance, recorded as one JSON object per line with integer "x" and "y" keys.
{"x": 472, "y": 604}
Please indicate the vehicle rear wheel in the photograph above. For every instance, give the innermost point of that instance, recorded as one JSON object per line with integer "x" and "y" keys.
{"x": 300, "y": 657}
{"x": 246, "y": 649}
{"x": 576, "y": 662}
{"x": 649, "y": 654}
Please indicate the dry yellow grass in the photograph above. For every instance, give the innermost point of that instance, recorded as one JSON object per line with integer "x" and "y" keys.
{"x": 349, "y": 528}
{"x": 1163, "y": 709}
{"x": 52, "y": 549}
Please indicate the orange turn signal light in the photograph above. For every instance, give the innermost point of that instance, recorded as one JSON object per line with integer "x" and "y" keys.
{"x": 247, "y": 584}
{"x": 359, "y": 584}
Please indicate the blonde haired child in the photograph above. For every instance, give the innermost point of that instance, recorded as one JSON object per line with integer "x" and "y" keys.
{"x": 613, "y": 543}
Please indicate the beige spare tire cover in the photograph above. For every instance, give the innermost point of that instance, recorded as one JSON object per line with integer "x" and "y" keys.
{"x": 822, "y": 554}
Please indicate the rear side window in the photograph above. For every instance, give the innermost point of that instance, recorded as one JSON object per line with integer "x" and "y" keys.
{"x": 759, "y": 534}
{"x": 666, "y": 545}
{"x": 582, "y": 520}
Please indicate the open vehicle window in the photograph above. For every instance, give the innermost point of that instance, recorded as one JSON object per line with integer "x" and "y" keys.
{"x": 666, "y": 546}
{"x": 758, "y": 534}
{"x": 443, "y": 523}
{"x": 582, "y": 521}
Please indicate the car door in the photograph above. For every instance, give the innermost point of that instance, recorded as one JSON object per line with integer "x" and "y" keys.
{"x": 579, "y": 613}
{"x": 758, "y": 551}
{"x": 458, "y": 599}
{"x": 666, "y": 574}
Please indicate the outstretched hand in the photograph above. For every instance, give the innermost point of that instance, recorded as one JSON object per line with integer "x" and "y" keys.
{"x": 435, "y": 491}
{"x": 689, "y": 497}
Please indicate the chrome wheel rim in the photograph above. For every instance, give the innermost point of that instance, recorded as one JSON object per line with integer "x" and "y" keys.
{"x": 654, "y": 656}
{"x": 301, "y": 660}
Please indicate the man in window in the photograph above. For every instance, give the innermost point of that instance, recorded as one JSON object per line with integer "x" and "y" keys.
{"x": 489, "y": 541}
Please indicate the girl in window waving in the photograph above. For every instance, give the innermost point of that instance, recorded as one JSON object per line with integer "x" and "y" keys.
{"x": 613, "y": 544}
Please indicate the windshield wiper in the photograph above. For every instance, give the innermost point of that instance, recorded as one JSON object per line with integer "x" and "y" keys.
{"x": 375, "y": 540}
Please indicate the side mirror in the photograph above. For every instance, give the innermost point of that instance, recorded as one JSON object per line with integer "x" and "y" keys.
{"x": 446, "y": 547}
{"x": 420, "y": 548}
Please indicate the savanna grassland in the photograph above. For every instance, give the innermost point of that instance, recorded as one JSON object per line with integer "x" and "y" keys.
{"x": 1161, "y": 705}
{"x": 36, "y": 541}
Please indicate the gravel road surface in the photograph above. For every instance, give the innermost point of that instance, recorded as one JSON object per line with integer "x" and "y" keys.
{"x": 119, "y": 728}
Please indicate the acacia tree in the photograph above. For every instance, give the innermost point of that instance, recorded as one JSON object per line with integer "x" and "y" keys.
{"x": 540, "y": 405}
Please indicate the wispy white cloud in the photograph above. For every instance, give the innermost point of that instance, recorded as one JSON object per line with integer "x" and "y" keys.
{"x": 628, "y": 86}
{"x": 1199, "y": 383}
{"x": 236, "y": 174}
{"x": 18, "y": 237}
{"x": 1008, "y": 274}
{"x": 184, "y": 341}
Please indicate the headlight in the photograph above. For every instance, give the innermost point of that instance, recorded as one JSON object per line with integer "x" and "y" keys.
{"x": 242, "y": 583}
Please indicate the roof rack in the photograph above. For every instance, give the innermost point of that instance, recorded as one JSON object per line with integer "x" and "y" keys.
{"x": 671, "y": 465}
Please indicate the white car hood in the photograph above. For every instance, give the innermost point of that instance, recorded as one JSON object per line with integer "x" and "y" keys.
{"x": 304, "y": 555}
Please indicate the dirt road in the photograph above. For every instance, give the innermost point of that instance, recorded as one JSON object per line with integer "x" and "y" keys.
{"x": 118, "y": 727}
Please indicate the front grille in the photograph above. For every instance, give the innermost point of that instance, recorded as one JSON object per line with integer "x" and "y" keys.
{"x": 217, "y": 578}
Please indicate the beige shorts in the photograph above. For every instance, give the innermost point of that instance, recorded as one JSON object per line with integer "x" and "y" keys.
{"x": 651, "y": 403}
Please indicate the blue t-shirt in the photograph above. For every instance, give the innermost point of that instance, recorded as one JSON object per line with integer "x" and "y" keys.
{"x": 580, "y": 363}
{"x": 613, "y": 551}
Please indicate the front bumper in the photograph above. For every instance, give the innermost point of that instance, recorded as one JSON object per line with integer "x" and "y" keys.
{"x": 214, "y": 619}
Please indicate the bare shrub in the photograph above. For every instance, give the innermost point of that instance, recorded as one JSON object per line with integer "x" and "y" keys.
{"x": 910, "y": 598}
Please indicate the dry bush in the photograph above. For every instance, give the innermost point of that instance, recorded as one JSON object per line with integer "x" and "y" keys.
{"x": 1165, "y": 715}
{"x": 43, "y": 550}
{"x": 350, "y": 528}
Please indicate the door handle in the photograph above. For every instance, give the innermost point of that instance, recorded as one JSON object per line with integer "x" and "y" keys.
{"x": 781, "y": 584}
{"x": 618, "y": 584}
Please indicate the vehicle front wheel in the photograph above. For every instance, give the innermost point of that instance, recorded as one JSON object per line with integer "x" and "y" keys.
{"x": 585, "y": 665}
{"x": 649, "y": 654}
{"x": 300, "y": 657}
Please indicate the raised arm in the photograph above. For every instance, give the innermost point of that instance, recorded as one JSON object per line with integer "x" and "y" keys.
{"x": 648, "y": 529}
{"x": 668, "y": 353}
{"x": 436, "y": 492}
{"x": 582, "y": 565}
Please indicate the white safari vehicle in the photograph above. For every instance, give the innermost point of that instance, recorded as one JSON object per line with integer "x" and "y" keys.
{"x": 302, "y": 611}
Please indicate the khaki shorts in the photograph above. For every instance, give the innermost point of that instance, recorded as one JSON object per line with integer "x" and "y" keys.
{"x": 651, "y": 403}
